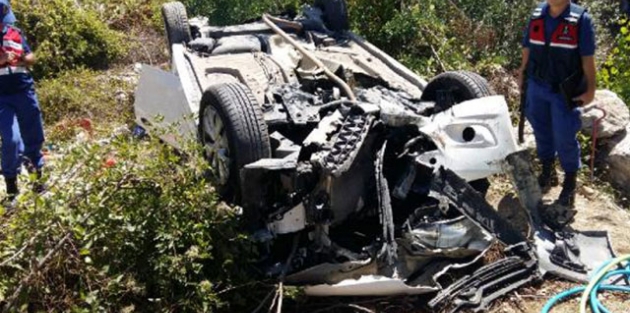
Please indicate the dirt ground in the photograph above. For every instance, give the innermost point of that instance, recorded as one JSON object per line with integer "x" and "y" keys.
{"x": 596, "y": 211}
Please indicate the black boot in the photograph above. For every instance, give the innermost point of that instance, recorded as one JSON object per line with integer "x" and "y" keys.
{"x": 39, "y": 186}
{"x": 548, "y": 177}
{"x": 12, "y": 188}
{"x": 567, "y": 196}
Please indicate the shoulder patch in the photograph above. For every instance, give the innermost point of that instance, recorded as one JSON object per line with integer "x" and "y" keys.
{"x": 575, "y": 14}
{"x": 538, "y": 12}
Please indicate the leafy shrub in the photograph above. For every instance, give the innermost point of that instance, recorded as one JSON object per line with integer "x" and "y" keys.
{"x": 66, "y": 36}
{"x": 125, "y": 14}
{"x": 605, "y": 14}
{"x": 141, "y": 21}
{"x": 86, "y": 94}
{"x": 127, "y": 226}
{"x": 225, "y": 12}
{"x": 433, "y": 36}
{"x": 615, "y": 74}
{"x": 494, "y": 29}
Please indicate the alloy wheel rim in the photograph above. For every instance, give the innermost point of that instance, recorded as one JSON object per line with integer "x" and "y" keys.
{"x": 215, "y": 145}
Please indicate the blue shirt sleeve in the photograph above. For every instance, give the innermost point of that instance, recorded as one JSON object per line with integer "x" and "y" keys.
{"x": 587, "y": 36}
{"x": 25, "y": 46}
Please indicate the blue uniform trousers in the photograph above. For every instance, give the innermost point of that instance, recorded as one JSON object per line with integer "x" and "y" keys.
{"x": 22, "y": 108}
{"x": 555, "y": 126}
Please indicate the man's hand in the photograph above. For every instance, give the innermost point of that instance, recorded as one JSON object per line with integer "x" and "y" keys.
{"x": 7, "y": 58}
{"x": 27, "y": 60}
{"x": 588, "y": 66}
{"x": 585, "y": 99}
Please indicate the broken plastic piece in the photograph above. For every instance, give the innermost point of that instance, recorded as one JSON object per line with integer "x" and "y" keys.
{"x": 470, "y": 203}
{"x": 566, "y": 254}
{"x": 488, "y": 283}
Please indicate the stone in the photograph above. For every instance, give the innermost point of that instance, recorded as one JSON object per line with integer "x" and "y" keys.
{"x": 618, "y": 162}
{"x": 617, "y": 117}
{"x": 588, "y": 192}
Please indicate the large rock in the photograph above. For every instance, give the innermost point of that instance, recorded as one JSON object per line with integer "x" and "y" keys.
{"x": 618, "y": 161}
{"x": 617, "y": 118}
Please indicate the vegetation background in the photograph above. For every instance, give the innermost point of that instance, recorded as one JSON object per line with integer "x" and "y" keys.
{"x": 130, "y": 225}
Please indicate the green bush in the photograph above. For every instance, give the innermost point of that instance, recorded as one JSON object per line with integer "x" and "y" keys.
{"x": 127, "y": 226}
{"x": 86, "y": 94}
{"x": 125, "y": 14}
{"x": 225, "y": 12}
{"x": 615, "y": 74}
{"x": 433, "y": 36}
{"x": 66, "y": 36}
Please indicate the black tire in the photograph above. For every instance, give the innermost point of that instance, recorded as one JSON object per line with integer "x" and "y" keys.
{"x": 335, "y": 14}
{"x": 464, "y": 86}
{"x": 176, "y": 23}
{"x": 244, "y": 125}
{"x": 481, "y": 82}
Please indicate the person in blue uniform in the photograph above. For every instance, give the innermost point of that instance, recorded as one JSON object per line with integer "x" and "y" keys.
{"x": 558, "y": 47}
{"x": 9, "y": 19}
{"x": 20, "y": 115}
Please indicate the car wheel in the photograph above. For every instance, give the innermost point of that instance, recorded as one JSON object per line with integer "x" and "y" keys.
{"x": 176, "y": 23}
{"x": 233, "y": 133}
{"x": 335, "y": 14}
{"x": 463, "y": 86}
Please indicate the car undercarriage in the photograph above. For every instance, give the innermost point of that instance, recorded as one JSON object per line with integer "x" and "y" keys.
{"x": 356, "y": 176}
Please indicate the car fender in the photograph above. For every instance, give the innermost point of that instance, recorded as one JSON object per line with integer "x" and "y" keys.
{"x": 473, "y": 138}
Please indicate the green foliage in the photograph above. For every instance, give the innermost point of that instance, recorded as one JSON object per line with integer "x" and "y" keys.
{"x": 127, "y": 224}
{"x": 615, "y": 74}
{"x": 86, "y": 94}
{"x": 493, "y": 29}
{"x": 66, "y": 36}
{"x": 433, "y": 36}
{"x": 126, "y": 14}
{"x": 605, "y": 13}
{"x": 225, "y": 12}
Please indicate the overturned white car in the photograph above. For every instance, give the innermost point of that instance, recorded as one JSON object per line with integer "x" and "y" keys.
{"x": 356, "y": 176}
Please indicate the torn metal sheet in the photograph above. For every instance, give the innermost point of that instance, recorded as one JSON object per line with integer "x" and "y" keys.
{"x": 386, "y": 213}
{"x": 166, "y": 109}
{"x": 374, "y": 279}
{"x": 456, "y": 237}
